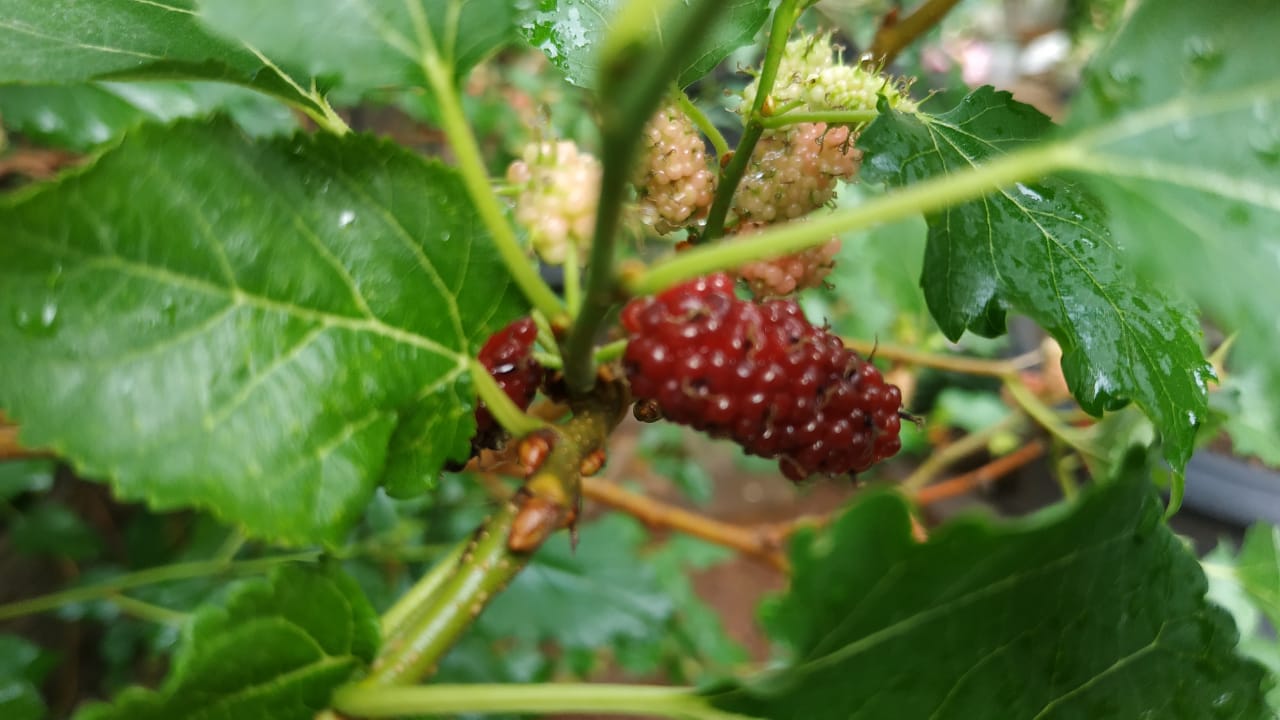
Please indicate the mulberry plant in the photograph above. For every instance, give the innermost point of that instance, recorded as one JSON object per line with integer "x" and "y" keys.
{"x": 337, "y": 308}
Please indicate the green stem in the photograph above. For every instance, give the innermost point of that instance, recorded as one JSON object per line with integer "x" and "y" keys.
{"x": 830, "y": 117}
{"x": 964, "y": 447}
{"x": 150, "y": 576}
{"x": 512, "y": 419}
{"x": 327, "y": 118}
{"x": 727, "y": 185}
{"x": 484, "y": 568}
{"x": 924, "y": 197}
{"x": 784, "y": 17}
{"x": 542, "y": 699}
{"x": 1047, "y": 418}
{"x": 476, "y": 179}
{"x": 399, "y": 614}
{"x": 704, "y": 124}
{"x": 147, "y": 611}
{"x": 546, "y": 335}
{"x": 633, "y": 82}
{"x": 611, "y": 352}
{"x": 547, "y": 360}
{"x": 572, "y": 280}
{"x": 231, "y": 546}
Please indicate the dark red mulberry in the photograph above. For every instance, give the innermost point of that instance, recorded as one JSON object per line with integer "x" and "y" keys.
{"x": 761, "y": 375}
{"x": 508, "y": 356}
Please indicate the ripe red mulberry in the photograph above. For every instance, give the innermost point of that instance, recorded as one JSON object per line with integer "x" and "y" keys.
{"x": 508, "y": 356}
{"x": 761, "y": 375}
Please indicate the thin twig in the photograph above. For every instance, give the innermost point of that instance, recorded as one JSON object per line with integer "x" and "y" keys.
{"x": 949, "y": 455}
{"x": 896, "y": 34}
{"x": 969, "y": 481}
{"x": 951, "y": 487}
{"x": 784, "y": 17}
{"x": 938, "y": 361}
{"x": 150, "y": 576}
{"x": 753, "y": 542}
{"x": 1048, "y": 418}
{"x": 10, "y": 449}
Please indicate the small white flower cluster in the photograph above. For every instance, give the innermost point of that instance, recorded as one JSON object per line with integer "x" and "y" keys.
{"x": 675, "y": 184}
{"x": 559, "y": 187}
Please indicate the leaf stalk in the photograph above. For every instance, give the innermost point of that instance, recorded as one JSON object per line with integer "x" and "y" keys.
{"x": 924, "y": 197}
{"x": 557, "y": 698}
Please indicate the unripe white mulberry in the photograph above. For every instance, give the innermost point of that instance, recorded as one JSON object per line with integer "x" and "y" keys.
{"x": 676, "y": 187}
{"x": 559, "y": 186}
{"x": 849, "y": 87}
{"x": 813, "y": 77}
{"x": 793, "y": 171}
{"x": 781, "y": 276}
{"x": 803, "y": 57}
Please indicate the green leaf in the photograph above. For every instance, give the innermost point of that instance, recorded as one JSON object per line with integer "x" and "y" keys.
{"x": 1252, "y": 419}
{"x": 1178, "y": 131}
{"x": 69, "y": 41}
{"x": 585, "y": 598}
{"x": 1247, "y": 585}
{"x": 570, "y": 33}
{"x": 1095, "y": 610}
{"x": 275, "y": 651}
{"x": 22, "y": 669}
{"x": 51, "y": 529}
{"x": 1041, "y": 248}
{"x": 695, "y": 639}
{"x": 969, "y": 410}
{"x": 368, "y": 45}
{"x": 260, "y": 329}
{"x": 80, "y": 117}
{"x": 1258, "y": 569}
{"x": 22, "y": 476}
{"x": 874, "y": 289}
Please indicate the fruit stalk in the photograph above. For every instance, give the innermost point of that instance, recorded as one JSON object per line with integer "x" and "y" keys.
{"x": 548, "y": 699}
{"x": 476, "y": 178}
{"x": 497, "y": 551}
{"x": 784, "y": 17}
{"x": 633, "y": 83}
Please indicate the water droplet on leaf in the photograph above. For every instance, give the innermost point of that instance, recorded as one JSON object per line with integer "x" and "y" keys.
{"x": 1265, "y": 142}
{"x": 346, "y": 218}
{"x": 1203, "y": 55}
{"x": 41, "y": 321}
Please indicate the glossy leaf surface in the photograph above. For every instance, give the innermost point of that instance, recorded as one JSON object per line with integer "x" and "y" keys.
{"x": 367, "y": 45}
{"x": 68, "y": 41}
{"x": 1043, "y": 249}
{"x": 81, "y": 117}
{"x": 265, "y": 330}
{"x": 274, "y": 652}
{"x": 1177, "y": 130}
{"x": 1092, "y": 611}
{"x": 569, "y": 33}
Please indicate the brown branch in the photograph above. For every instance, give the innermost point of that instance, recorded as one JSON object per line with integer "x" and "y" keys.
{"x": 896, "y": 34}
{"x": 953, "y": 363}
{"x": 10, "y": 449}
{"x": 948, "y": 455}
{"x": 758, "y": 543}
{"x": 949, "y": 488}
{"x": 969, "y": 481}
